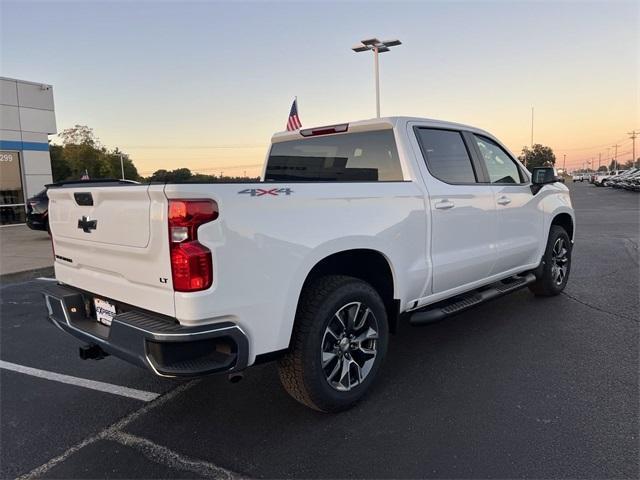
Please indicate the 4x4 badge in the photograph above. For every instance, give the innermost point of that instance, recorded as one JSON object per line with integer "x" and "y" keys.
{"x": 87, "y": 225}
{"x": 259, "y": 192}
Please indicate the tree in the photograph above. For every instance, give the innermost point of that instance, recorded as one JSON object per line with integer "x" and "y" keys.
{"x": 82, "y": 151}
{"x": 60, "y": 169}
{"x": 627, "y": 165}
{"x": 537, "y": 156}
{"x": 79, "y": 135}
{"x": 177, "y": 175}
{"x": 602, "y": 168}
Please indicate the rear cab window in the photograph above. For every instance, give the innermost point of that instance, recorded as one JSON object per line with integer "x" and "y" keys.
{"x": 349, "y": 157}
{"x": 446, "y": 156}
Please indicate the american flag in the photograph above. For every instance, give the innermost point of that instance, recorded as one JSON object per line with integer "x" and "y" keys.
{"x": 293, "y": 123}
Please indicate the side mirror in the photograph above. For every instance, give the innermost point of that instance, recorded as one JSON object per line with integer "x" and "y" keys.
{"x": 541, "y": 176}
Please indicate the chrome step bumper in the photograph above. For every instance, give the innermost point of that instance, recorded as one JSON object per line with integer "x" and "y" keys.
{"x": 148, "y": 340}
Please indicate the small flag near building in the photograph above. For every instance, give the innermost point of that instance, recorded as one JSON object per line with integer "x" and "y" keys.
{"x": 293, "y": 123}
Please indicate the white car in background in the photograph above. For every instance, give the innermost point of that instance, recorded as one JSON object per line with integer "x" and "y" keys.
{"x": 601, "y": 177}
{"x": 578, "y": 177}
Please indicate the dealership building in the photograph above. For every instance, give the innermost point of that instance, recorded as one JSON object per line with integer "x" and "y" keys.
{"x": 27, "y": 118}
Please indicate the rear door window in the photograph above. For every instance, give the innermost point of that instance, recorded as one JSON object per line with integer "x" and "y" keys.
{"x": 446, "y": 155}
{"x": 350, "y": 157}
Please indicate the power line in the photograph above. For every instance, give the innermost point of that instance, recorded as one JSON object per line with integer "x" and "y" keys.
{"x": 191, "y": 147}
{"x": 589, "y": 148}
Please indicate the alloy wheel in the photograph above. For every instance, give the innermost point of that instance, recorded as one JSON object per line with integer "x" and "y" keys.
{"x": 349, "y": 346}
{"x": 559, "y": 261}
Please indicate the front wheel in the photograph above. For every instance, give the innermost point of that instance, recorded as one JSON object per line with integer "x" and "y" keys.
{"x": 553, "y": 273}
{"x": 338, "y": 344}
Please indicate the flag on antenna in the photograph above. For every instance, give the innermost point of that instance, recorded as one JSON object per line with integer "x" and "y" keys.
{"x": 293, "y": 123}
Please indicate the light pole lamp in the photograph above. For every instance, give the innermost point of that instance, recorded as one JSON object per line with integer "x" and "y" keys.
{"x": 377, "y": 47}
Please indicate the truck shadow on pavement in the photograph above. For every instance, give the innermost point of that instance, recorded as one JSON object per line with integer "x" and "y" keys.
{"x": 514, "y": 386}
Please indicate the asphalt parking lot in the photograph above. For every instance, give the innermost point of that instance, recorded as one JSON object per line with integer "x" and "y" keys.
{"x": 518, "y": 388}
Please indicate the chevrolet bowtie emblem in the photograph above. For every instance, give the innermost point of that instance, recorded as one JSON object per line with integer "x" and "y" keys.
{"x": 87, "y": 225}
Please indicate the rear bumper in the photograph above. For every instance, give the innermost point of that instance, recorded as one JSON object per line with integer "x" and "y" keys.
{"x": 150, "y": 341}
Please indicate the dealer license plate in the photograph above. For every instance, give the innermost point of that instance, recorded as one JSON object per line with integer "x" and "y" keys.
{"x": 105, "y": 311}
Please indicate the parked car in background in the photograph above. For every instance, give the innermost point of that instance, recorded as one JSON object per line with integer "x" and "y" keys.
{"x": 578, "y": 177}
{"x": 631, "y": 181}
{"x": 352, "y": 227}
{"x": 600, "y": 178}
{"x": 614, "y": 180}
{"x": 38, "y": 211}
{"x": 38, "y": 205}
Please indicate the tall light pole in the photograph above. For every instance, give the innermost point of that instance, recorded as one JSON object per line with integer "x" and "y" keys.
{"x": 531, "y": 127}
{"x": 564, "y": 163}
{"x": 377, "y": 47}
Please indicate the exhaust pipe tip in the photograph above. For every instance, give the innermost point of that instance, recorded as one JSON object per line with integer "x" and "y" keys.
{"x": 92, "y": 352}
{"x": 236, "y": 377}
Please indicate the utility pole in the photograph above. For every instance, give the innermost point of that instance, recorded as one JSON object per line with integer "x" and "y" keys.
{"x": 615, "y": 157}
{"x": 532, "y": 127}
{"x": 632, "y": 135}
{"x": 564, "y": 163}
{"x": 599, "y": 159}
{"x": 122, "y": 166}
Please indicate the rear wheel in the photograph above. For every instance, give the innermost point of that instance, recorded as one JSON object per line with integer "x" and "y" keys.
{"x": 339, "y": 342}
{"x": 553, "y": 274}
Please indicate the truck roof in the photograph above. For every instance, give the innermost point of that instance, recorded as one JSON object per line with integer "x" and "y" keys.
{"x": 382, "y": 123}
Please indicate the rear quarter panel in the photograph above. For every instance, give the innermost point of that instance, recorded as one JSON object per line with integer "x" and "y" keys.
{"x": 264, "y": 247}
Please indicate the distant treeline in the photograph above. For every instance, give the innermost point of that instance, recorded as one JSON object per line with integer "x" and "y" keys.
{"x": 186, "y": 175}
{"x": 81, "y": 151}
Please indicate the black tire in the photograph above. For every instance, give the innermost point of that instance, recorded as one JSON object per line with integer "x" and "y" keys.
{"x": 547, "y": 283}
{"x": 301, "y": 370}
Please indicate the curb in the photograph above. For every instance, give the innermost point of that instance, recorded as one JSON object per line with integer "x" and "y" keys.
{"x": 26, "y": 275}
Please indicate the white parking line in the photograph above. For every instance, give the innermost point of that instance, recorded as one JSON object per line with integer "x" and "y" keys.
{"x": 116, "y": 427}
{"x": 169, "y": 458}
{"x": 81, "y": 382}
{"x": 47, "y": 279}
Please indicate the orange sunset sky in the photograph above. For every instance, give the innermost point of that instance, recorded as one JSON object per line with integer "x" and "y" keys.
{"x": 204, "y": 85}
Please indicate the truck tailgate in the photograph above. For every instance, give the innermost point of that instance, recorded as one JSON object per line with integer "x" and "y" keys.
{"x": 122, "y": 213}
{"x": 112, "y": 241}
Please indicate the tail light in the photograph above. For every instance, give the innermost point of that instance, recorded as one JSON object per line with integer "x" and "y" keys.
{"x": 191, "y": 263}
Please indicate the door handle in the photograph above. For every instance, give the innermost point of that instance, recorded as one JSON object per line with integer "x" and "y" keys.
{"x": 504, "y": 200}
{"x": 444, "y": 204}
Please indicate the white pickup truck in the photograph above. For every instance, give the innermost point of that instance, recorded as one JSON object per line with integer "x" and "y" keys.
{"x": 353, "y": 228}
